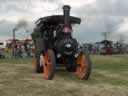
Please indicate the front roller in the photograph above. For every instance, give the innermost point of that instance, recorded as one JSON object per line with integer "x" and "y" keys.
{"x": 49, "y": 65}
{"x": 83, "y": 69}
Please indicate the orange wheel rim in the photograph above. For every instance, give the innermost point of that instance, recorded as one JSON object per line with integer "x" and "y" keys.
{"x": 47, "y": 65}
{"x": 82, "y": 65}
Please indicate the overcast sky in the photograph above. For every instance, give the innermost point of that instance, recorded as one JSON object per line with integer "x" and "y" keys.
{"x": 97, "y": 16}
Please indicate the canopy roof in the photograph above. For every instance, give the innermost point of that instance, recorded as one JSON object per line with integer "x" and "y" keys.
{"x": 104, "y": 42}
{"x": 57, "y": 19}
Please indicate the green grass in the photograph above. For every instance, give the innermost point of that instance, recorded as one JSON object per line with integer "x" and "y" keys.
{"x": 109, "y": 78}
{"x": 17, "y": 60}
{"x": 113, "y": 69}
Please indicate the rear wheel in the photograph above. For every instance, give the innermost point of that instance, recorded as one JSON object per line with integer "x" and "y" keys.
{"x": 37, "y": 62}
{"x": 49, "y": 64}
{"x": 83, "y": 66}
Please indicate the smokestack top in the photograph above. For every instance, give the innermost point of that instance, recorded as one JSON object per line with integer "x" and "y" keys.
{"x": 66, "y": 7}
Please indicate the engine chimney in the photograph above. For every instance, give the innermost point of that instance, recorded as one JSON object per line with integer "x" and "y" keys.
{"x": 66, "y": 12}
{"x": 14, "y": 30}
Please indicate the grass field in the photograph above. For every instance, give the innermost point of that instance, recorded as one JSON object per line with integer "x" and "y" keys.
{"x": 109, "y": 78}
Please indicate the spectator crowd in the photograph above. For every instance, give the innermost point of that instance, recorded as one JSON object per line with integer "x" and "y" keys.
{"x": 17, "y": 48}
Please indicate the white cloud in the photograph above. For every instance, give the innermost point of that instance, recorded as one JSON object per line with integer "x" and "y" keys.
{"x": 124, "y": 26}
{"x": 112, "y": 7}
{"x": 95, "y": 14}
{"x": 78, "y": 3}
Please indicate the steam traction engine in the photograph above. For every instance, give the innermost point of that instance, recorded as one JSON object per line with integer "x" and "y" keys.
{"x": 54, "y": 46}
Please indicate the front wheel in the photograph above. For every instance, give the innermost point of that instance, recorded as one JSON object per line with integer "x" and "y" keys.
{"x": 49, "y": 64}
{"x": 83, "y": 69}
